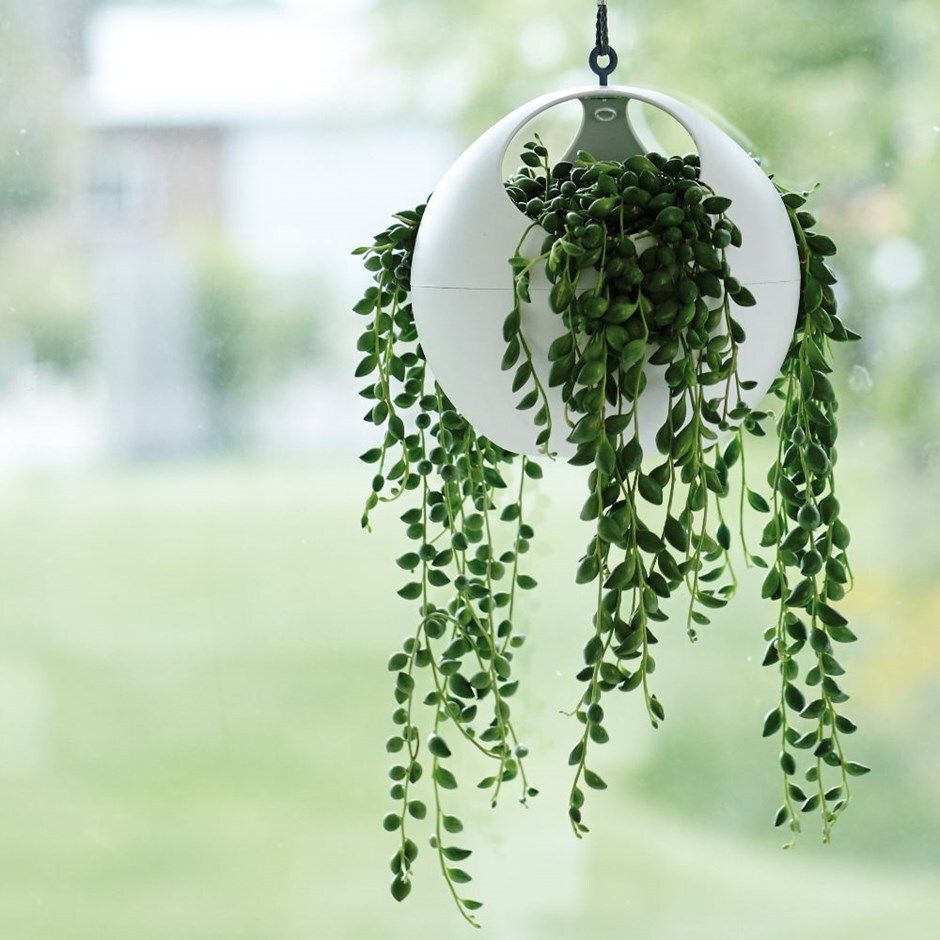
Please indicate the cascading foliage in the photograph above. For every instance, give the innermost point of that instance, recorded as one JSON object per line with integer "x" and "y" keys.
{"x": 635, "y": 253}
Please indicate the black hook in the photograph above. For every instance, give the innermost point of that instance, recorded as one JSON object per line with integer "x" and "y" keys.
{"x": 602, "y": 71}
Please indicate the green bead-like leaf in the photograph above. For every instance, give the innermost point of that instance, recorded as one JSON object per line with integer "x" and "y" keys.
{"x": 397, "y": 662}
{"x": 771, "y": 585}
{"x": 605, "y": 458}
{"x": 408, "y": 561}
{"x": 773, "y": 721}
{"x": 841, "y": 634}
{"x": 723, "y": 536}
{"x": 650, "y": 490}
{"x": 801, "y": 595}
{"x": 454, "y": 854}
{"x": 523, "y": 374}
{"x": 577, "y": 753}
{"x": 676, "y": 534}
{"x": 593, "y": 651}
{"x": 444, "y": 778}
{"x": 401, "y": 888}
{"x": 830, "y": 616}
{"x": 715, "y": 205}
{"x": 854, "y": 769}
{"x": 814, "y": 709}
{"x": 656, "y": 707}
{"x": 533, "y": 470}
{"x": 411, "y": 591}
{"x": 587, "y": 570}
{"x": 632, "y": 353}
{"x": 845, "y": 725}
{"x": 622, "y": 576}
{"x": 438, "y": 746}
{"x": 757, "y": 501}
{"x": 794, "y": 697}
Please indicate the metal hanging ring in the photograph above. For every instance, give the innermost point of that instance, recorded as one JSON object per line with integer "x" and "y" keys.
{"x": 602, "y": 71}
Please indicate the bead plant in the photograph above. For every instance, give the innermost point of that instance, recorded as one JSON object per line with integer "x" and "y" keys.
{"x": 635, "y": 254}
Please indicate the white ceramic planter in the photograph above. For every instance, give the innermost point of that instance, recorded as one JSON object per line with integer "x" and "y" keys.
{"x": 462, "y": 284}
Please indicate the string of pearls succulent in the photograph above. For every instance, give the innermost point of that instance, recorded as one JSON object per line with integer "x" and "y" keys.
{"x": 635, "y": 253}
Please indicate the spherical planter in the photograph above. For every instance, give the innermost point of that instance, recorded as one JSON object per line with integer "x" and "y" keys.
{"x": 462, "y": 286}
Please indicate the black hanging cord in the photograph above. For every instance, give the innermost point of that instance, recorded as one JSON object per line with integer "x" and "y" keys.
{"x": 602, "y": 47}
{"x": 602, "y": 37}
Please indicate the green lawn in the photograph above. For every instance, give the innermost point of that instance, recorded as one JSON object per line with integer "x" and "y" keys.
{"x": 193, "y": 701}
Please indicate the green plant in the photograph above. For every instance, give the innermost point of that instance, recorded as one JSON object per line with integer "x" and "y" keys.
{"x": 635, "y": 253}
{"x": 51, "y": 317}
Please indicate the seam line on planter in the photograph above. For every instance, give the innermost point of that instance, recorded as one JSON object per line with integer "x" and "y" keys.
{"x": 548, "y": 289}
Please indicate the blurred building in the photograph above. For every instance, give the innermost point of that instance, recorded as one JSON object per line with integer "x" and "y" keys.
{"x": 176, "y": 127}
{"x": 172, "y": 100}
{"x": 226, "y": 121}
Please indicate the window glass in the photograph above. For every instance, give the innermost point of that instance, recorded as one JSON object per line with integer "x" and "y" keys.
{"x": 193, "y": 627}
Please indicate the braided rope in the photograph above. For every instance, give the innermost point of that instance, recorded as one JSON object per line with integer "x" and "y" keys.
{"x": 602, "y": 36}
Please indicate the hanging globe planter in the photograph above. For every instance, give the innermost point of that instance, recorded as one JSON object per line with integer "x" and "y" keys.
{"x": 629, "y": 312}
{"x": 460, "y": 291}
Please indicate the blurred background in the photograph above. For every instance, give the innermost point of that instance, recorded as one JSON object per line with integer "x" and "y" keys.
{"x": 193, "y": 628}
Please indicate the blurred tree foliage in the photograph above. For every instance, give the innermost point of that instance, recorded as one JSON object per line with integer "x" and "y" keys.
{"x": 46, "y": 308}
{"x": 252, "y": 330}
{"x": 845, "y": 93}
